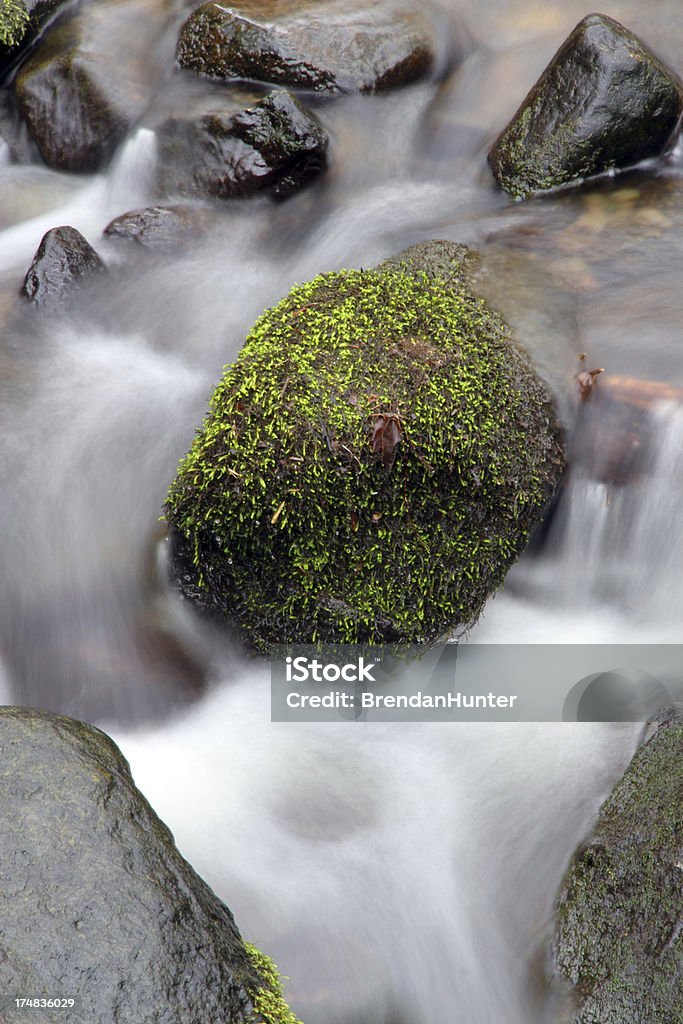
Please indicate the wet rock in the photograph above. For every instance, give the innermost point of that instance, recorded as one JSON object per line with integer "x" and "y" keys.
{"x": 274, "y": 146}
{"x": 373, "y": 462}
{"x": 329, "y": 46}
{"x": 117, "y": 918}
{"x": 620, "y": 911}
{"x": 604, "y": 103}
{"x": 63, "y": 261}
{"x": 85, "y": 84}
{"x": 162, "y": 229}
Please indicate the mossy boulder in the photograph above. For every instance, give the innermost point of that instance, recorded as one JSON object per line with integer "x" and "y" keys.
{"x": 324, "y": 45}
{"x": 620, "y": 911}
{"x": 605, "y": 102}
{"x": 63, "y": 262}
{"x": 273, "y": 146}
{"x": 372, "y": 464}
{"x": 98, "y": 903}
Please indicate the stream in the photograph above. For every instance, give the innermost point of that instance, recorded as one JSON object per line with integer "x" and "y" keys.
{"x": 397, "y": 873}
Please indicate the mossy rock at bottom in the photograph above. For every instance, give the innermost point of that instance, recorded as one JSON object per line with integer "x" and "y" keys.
{"x": 619, "y": 936}
{"x": 372, "y": 463}
{"x": 99, "y": 905}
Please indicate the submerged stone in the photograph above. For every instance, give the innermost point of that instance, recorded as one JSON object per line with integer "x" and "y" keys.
{"x": 372, "y": 464}
{"x": 159, "y": 228}
{"x": 63, "y": 261}
{"x": 620, "y": 911}
{"x": 329, "y": 46}
{"x": 274, "y": 147}
{"x": 604, "y": 103}
{"x": 98, "y": 904}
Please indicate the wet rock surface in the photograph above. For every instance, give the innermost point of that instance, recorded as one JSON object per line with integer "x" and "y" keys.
{"x": 83, "y": 87}
{"x": 97, "y": 901}
{"x": 605, "y": 102}
{"x": 63, "y": 262}
{"x": 163, "y": 229}
{"x": 327, "y": 46}
{"x": 273, "y": 147}
{"x": 620, "y": 911}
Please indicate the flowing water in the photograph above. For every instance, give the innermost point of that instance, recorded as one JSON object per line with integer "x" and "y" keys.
{"x": 397, "y": 873}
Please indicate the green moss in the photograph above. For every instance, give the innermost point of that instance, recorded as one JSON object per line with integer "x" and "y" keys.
{"x": 267, "y": 999}
{"x": 14, "y": 21}
{"x": 294, "y": 520}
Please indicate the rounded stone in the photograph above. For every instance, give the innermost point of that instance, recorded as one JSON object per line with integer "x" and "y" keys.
{"x": 372, "y": 464}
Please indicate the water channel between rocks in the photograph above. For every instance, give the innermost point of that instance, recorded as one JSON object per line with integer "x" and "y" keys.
{"x": 395, "y": 872}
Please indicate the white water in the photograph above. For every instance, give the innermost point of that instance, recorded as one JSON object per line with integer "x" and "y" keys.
{"x": 396, "y": 873}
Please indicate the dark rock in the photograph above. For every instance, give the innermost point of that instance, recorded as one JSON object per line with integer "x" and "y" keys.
{"x": 274, "y": 146}
{"x": 98, "y": 903}
{"x": 620, "y": 913}
{"x": 604, "y": 103}
{"x": 332, "y": 46}
{"x": 84, "y": 85}
{"x": 373, "y": 462}
{"x": 63, "y": 261}
{"x": 159, "y": 228}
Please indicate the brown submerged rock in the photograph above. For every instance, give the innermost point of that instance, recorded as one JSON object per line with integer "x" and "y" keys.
{"x": 354, "y": 46}
{"x": 86, "y": 83}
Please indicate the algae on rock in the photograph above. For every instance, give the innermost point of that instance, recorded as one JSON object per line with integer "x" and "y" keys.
{"x": 14, "y": 23}
{"x": 372, "y": 463}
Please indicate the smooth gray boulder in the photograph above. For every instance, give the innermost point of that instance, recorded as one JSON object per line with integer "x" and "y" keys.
{"x": 619, "y": 934}
{"x": 605, "y": 102}
{"x": 98, "y": 903}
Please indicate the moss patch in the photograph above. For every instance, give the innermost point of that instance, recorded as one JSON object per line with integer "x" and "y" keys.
{"x": 268, "y": 999}
{"x": 371, "y": 465}
{"x": 14, "y": 22}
